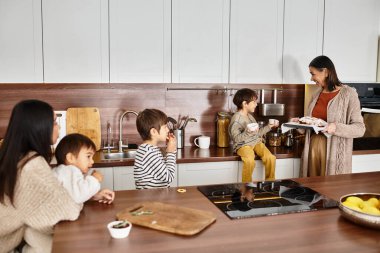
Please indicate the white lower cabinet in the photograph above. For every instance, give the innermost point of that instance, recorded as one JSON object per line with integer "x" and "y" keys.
{"x": 190, "y": 174}
{"x": 123, "y": 178}
{"x": 107, "y": 177}
{"x": 285, "y": 168}
{"x": 365, "y": 163}
{"x": 207, "y": 173}
{"x": 296, "y": 167}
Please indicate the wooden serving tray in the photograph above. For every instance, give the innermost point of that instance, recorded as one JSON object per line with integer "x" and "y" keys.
{"x": 168, "y": 218}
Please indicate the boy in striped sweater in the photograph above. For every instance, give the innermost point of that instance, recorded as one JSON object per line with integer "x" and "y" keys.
{"x": 152, "y": 169}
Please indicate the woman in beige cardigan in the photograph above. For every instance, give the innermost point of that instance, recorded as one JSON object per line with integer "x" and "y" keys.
{"x": 32, "y": 200}
{"x": 339, "y": 105}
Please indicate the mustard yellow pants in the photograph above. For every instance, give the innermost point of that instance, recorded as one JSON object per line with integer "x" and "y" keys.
{"x": 317, "y": 155}
{"x": 247, "y": 154}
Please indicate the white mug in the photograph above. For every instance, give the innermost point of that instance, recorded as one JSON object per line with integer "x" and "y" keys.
{"x": 203, "y": 141}
{"x": 273, "y": 121}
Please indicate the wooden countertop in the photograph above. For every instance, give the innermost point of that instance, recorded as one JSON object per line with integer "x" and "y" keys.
{"x": 196, "y": 155}
{"x": 317, "y": 231}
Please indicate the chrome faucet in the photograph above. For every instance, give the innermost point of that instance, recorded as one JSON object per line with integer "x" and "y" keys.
{"x": 107, "y": 144}
{"x": 121, "y": 145}
{"x": 109, "y": 131}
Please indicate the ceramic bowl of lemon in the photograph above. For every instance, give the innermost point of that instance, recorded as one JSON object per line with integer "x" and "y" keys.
{"x": 361, "y": 208}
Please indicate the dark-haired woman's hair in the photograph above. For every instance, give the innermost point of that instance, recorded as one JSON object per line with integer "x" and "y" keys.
{"x": 30, "y": 129}
{"x": 148, "y": 119}
{"x": 321, "y": 62}
{"x": 72, "y": 143}
{"x": 242, "y": 95}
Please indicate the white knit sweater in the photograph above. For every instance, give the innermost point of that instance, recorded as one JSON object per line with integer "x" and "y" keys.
{"x": 40, "y": 202}
{"x": 80, "y": 187}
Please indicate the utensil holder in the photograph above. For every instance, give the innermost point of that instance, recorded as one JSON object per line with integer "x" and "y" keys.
{"x": 180, "y": 136}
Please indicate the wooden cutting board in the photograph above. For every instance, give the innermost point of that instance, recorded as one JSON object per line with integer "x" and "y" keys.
{"x": 86, "y": 121}
{"x": 168, "y": 218}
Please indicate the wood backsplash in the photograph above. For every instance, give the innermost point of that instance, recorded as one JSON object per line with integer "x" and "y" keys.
{"x": 112, "y": 99}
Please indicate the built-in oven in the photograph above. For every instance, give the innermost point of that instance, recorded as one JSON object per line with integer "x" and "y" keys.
{"x": 369, "y": 97}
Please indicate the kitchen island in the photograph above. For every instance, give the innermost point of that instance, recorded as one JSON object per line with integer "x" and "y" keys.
{"x": 316, "y": 231}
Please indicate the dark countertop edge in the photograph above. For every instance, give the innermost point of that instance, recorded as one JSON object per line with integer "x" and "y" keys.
{"x": 191, "y": 155}
{"x": 366, "y": 152}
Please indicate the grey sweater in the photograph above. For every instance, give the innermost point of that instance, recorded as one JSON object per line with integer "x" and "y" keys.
{"x": 239, "y": 133}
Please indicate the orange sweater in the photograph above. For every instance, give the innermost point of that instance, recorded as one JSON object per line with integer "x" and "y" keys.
{"x": 320, "y": 108}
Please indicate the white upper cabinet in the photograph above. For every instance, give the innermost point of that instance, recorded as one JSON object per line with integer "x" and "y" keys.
{"x": 351, "y": 38}
{"x": 303, "y": 38}
{"x": 256, "y": 41}
{"x": 75, "y": 41}
{"x": 140, "y": 41}
{"x": 20, "y": 41}
{"x": 200, "y": 41}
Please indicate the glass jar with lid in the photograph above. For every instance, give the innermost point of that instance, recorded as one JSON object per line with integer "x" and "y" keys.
{"x": 274, "y": 139}
{"x": 222, "y": 123}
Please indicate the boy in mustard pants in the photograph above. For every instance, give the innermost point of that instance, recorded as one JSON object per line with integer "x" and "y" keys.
{"x": 249, "y": 143}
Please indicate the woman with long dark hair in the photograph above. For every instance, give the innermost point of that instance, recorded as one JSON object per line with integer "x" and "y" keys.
{"x": 339, "y": 106}
{"x": 32, "y": 200}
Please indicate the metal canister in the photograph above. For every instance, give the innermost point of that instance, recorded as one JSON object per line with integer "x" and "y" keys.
{"x": 222, "y": 123}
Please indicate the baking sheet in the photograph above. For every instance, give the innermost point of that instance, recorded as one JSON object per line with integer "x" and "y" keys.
{"x": 291, "y": 125}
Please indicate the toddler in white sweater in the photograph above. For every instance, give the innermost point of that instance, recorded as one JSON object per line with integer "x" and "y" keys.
{"x": 74, "y": 155}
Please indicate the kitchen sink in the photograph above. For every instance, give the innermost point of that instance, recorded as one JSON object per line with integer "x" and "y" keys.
{"x": 130, "y": 153}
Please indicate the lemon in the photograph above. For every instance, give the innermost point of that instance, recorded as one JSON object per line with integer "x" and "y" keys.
{"x": 351, "y": 205}
{"x": 370, "y": 210}
{"x": 354, "y": 200}
{"x": 373, "y": 202}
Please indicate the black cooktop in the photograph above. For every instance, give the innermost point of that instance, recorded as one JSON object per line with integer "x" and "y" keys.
{"x": 265, "y": 198}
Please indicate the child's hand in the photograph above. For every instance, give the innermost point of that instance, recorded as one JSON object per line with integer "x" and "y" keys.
{"x": 172, "y": 143}
{"x": 97, "y": 175}
{"x": 105, "y": 196}
{"x": 296, "y": 120}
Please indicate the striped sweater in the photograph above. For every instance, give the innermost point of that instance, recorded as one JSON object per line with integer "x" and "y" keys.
{"x": 151, "y": 169}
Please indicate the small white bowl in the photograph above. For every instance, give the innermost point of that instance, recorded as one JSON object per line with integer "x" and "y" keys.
{"x": 119, "y": 233}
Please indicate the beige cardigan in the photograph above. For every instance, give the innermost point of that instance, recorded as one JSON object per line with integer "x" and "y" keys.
{"x": 40, "y": 202}
{"x": 344, "y": 110}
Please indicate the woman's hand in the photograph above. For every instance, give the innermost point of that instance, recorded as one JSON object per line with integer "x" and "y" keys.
{"x": 330, "y": 128}
{"x": 296, "y": 120}
{"x": 105, "y": 196}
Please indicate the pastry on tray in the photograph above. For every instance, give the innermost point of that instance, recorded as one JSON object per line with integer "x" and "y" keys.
{"x": 312, "y": 121}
